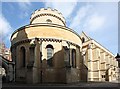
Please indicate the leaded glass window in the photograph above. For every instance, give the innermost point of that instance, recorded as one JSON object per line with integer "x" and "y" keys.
{"x": 49, "y": 54}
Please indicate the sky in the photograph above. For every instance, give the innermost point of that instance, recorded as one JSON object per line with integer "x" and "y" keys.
{"x": 99, "y": 20}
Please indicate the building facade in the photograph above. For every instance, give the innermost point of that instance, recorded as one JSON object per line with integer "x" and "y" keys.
{"x": 6, "y": 70}
{"x": 5, "y": 52}
{"x": 46, "y": 51}
{"x": 6, "y": 64}
{"x": 101, "y": 63}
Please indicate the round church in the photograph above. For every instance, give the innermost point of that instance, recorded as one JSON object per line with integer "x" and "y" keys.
{"x": 46, "y": 50}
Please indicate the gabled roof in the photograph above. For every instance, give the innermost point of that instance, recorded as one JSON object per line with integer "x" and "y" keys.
{"x": 88, "y": 40}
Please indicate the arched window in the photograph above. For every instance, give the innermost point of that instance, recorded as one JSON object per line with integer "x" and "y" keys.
{"x": 22, "y": 58}
{"x": 73, "y": 58}
{"x": 49, "y": 54}
{"x": 48, "y": 21}
{"x": 83, "y": 40}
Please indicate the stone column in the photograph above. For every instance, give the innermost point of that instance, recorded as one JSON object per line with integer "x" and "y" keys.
{"x": 107, "y": 61}
{"x": 13, "y": 55}
{"x": 37, "y": 63}
{"x": 69, "y": 52}
{"x": 33, "y": 67}
{"x": 90, "y": 63}
{"x": 102, "y": 66}
{"x": 79, "y": 63}
{"x": 110, "y": 66}
{"x": 70, "y": 57}
{"x": 107, "y": 67}
{"x": 83, "y": 66}
{"x": 99, "y": 62}
{"x": 96, "y": 64}
{"x": 30, "y": 63}
{"x": 78, "y": 58}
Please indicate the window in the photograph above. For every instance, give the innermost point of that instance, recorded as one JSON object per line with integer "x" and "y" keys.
{"x": 114, "y": 75}
{"x": 73, "y": 58}
{"x": 49, "y": 51}
{"x": 49, "y": 54}
{"x": 103, "y": 76}
{"x": 66, "y": 56}
{"x": 22, "y": 51}
{"x": 48, "y": 21}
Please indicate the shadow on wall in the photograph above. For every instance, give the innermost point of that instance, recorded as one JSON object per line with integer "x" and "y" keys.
{"x": 61, "y": 70}
{"x": 53, "y": 69}
{"x": 18, "y": 53}
{"x": 84, "y": 73}
{"x": 21, "y": 35}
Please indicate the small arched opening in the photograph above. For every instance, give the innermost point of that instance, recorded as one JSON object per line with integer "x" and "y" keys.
{"x": 22, "y": 56}
{"x": 48, "y": 21}
{"x": 73, "y": 58}
{"x": 50, "y": 49}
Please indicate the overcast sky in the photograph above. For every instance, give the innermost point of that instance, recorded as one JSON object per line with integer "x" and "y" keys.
{"x": 99, "y": 20}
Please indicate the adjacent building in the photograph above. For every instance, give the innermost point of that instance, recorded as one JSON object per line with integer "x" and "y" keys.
{"x": 101, "y": 63}
{"x": 5, "y": 52}
{"x": 6, "y": 64}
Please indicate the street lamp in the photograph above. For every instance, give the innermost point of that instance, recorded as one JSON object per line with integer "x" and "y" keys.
{"x": 118, "y": 59}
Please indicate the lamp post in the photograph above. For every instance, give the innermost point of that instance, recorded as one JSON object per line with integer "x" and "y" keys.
{"x": 118, "y": 59}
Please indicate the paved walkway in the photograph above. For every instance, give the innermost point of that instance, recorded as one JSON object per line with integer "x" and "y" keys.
{"x": 82, "y": 84}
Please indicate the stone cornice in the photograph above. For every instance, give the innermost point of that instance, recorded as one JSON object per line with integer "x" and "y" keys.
{"x": 50, "y": 39}
{"x": 46, "y": 40}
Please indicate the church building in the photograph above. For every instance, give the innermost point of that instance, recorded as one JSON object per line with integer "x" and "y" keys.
{"x": 47, "y": 51}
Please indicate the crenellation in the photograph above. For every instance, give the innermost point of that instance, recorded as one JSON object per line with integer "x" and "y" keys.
{"x": 47, "y": 12}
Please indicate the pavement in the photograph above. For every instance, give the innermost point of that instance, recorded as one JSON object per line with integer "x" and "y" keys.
{"x": 86, "y": 85}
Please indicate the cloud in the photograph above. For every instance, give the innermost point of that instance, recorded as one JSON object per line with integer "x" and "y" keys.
{"x": 81, "y": 14}
{"x": 66, "y": 8}
{"x": 24, "y": 7}
{"x": 5, "y": 28}
{"x": 94, "y": 22}
{"x": 87, "y": 19}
